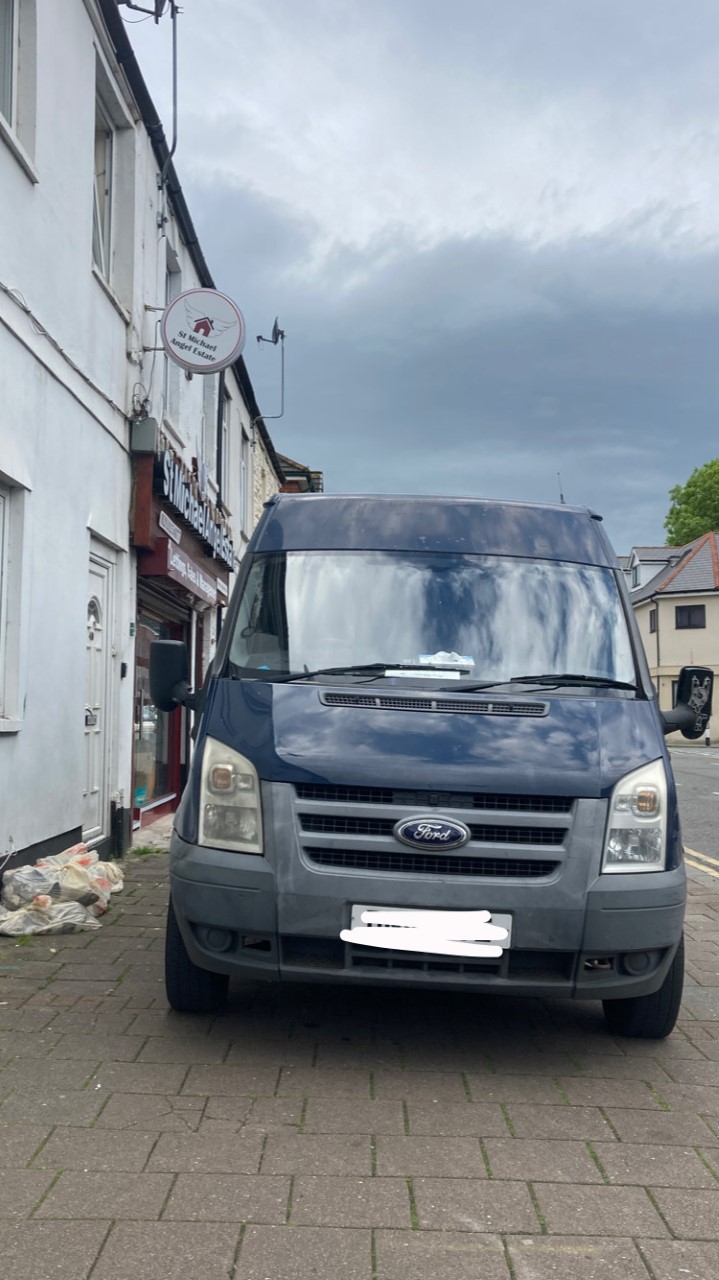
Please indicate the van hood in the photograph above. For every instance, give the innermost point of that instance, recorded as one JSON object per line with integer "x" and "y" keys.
{"x": 581, "y": 747}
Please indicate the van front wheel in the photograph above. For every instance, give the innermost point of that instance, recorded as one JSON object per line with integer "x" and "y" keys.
{"x": 189, "y": 988}
{"x": 651, "y": 1017}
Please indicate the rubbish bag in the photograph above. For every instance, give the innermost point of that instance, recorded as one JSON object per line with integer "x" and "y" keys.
{"x": 43, "y": 915}
{"x": 72, "y": 876}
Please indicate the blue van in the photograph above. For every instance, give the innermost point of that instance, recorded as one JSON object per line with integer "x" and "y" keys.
{"x": 429, "y": 753}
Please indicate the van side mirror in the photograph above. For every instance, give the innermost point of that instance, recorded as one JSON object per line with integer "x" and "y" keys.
{"x": 693, "y": 706}
{"x": 169, "y": 672}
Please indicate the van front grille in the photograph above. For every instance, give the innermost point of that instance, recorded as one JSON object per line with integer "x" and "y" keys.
{"x": 337, "y": 824}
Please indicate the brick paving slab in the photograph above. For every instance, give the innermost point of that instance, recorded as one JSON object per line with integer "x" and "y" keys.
{"x": 542, "y": 1161}
{"x": 420, "y": 1086}
{"x": 350, "y": 1083}
{"x": 50, "y": 1250}
{"x": 474, "y": 1119}
{"x": 585, "y": 1123}
{"x": 691, "y": 1215}
{"x": 20, "y": 1191}
{"x": 642, "y": 1067}
{"x": 634, "y": 1094}
{"x": 680, "y": 1259}
{"x": 439, "y": 1255}
{"x": 675, "y": 1128}
{"x": 531, "y": 1090}
{"x": 350, "y": 1202}
{"x": 152, "y": 1113}
{"x": 463, "y": 1204}
{"x": 577, "y": 1258}
{"x": 638, "y": 1164}
{"x": 109, "y": 1048}
{"x": 318, "y": 1153}
{"x": 168, "y": 1251}
{"x": 69, "y": 1107}
{"x": 139, "y": 1077}
{"x": 207, "y": 1153}
{"x": 188, "y": 1050}
{"x": 331, "y": 1115}
{"x": 95, "y": 1149}
{"x": 42, "y": 1078}
{"x": 445, "y": 1157}
{"x": 222, "y": 1197}
{"x": 606, "y": 1211}
{"x": 79, "y": 1194}
{"x": 265, "y": 1115}
{"x": 18, "y": 1145}
{"x": 229, "y": 1080}
{"x": 305, "y": 1253}
{"x": 26, "y": 1044}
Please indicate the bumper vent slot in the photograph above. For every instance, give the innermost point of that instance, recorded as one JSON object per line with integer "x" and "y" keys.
{"x": 430, "y": 864}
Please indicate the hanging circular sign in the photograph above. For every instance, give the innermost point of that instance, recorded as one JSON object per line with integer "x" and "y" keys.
{"x": 203, "y": 331}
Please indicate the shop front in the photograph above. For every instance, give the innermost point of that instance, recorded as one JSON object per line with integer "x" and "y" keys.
{"x": 184, "y": 557}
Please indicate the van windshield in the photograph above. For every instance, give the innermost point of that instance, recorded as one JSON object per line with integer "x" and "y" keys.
{"x": 502, "y": 616}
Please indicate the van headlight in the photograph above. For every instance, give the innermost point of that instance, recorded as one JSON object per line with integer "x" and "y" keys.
{"x": 230, "y": 810}
{"x": 636, "y": 838}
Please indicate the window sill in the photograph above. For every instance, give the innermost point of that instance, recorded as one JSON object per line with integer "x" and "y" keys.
{"x": 14, "y": 145}
{"x": 10, "y": 726}
{"x": 110, "y": 292}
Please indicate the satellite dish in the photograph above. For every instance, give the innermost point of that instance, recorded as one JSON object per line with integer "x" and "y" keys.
{"x": 275, "y": 332}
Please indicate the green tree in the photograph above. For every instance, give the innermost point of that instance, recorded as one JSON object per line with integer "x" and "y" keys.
{"x": 695, "y": 505}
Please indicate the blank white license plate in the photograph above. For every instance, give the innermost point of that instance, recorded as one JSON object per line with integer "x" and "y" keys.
{"x": 435, "y": 929}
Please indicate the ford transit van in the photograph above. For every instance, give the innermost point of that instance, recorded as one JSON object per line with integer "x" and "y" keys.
{"x": 429, "y": 753}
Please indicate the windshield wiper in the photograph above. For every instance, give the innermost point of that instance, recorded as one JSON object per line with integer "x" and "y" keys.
{"x": 550, "y": 678}
{"x": 367, "y": 669}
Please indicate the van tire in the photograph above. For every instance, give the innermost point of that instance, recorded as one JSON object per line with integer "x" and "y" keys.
{"x": 650, "y": 1017}
{"x": 189, "y": 988}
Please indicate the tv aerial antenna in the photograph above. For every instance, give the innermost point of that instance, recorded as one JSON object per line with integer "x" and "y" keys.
{"x": 277, "y": 336}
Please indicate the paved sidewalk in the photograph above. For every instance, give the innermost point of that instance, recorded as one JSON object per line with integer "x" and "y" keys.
{"x": 344, "y": 1134}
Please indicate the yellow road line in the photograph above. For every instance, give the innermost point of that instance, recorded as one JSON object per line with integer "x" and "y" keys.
{"x": 698, "y": 867}
{"x": 705, "y": 857}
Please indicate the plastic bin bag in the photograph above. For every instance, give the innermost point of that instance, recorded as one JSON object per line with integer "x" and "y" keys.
{"x": 43, "y": 915}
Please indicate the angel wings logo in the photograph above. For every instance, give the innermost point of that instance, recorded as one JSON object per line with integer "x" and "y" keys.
{"x": 206, "y": 325}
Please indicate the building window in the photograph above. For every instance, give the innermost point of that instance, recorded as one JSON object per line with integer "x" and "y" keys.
{"x": 11, "y": 658}
{"x": 8, "y": 58}
{"x": 689, "y": 615}
{"x": 635, "y": 575}
{"x": 652, "y": 620}
{"x": 226, "y": 459}
{"x": 103, "y": 187}
{"x": 245, "y": 492}
{"x": 171, "y": 386}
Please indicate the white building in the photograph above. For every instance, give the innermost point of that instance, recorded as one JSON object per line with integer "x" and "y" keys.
{"x": 95, "y": 559}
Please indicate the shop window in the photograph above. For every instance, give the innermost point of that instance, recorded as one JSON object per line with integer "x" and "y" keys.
{"x": 652, "y": 620}
{"x": 156, "y": 774}
{"x": 690, "y": 616}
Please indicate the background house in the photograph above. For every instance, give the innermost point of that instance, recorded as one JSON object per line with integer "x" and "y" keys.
{"x": 676, "y": 603}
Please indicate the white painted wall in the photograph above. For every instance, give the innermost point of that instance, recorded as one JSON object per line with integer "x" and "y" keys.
{"x": 66, "y": 394}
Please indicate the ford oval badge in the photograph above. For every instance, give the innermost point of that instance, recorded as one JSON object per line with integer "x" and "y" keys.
{"x": 432, "y": 833}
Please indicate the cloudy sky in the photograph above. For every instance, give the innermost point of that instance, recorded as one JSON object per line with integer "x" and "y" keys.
{"x": 490, "y": 231}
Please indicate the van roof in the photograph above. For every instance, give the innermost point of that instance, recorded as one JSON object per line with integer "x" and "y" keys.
{"x": 406, "y": 522}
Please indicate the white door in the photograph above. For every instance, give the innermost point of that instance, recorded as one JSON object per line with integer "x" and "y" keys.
{"x": 96, "y": 807}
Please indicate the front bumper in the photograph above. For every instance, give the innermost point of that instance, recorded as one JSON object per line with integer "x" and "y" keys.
{"x": 277, "y": 920}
